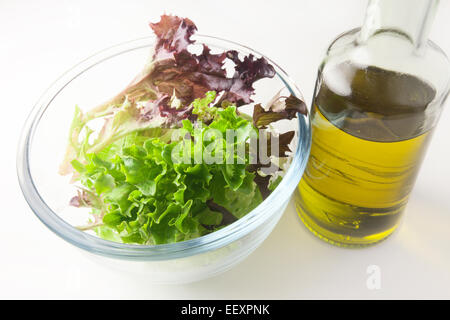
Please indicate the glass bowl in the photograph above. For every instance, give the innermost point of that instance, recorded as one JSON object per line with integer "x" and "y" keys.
{"x": 92, "y": 82}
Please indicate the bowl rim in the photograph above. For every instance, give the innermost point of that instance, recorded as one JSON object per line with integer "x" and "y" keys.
{"x": 208, "y": 242}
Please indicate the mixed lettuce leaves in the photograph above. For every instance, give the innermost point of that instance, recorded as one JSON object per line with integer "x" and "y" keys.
{"x": 126, "y": 172}
{"x": 144, "y": 197}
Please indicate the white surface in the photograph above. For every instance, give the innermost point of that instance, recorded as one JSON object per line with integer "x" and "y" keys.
{"x": 41, "y": 39}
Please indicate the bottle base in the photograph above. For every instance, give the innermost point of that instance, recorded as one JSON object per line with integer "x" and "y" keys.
{"x": 341, "y": 240}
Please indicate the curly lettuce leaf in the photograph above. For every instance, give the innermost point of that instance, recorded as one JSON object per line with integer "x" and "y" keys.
{"x": 191, "y": 76}
{"x": 278, "y": 110}
{"x": 202, "y": 107}
{"x": 121, "y": 122}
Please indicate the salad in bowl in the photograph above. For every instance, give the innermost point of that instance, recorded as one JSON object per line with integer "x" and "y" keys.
{"x": 183, "y": 171}
{"x": 165, "y": 165}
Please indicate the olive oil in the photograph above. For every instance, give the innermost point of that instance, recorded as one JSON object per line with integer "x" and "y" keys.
{"x": 368, "y": 139}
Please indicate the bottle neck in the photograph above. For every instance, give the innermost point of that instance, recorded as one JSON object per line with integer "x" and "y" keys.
{"x": 409, "y": 18}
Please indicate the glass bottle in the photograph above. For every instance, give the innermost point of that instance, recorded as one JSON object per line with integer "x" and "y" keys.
{"x": 379, "y": 94}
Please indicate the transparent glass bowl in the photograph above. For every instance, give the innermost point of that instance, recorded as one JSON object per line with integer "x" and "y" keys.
{"x": 92, "y": 82}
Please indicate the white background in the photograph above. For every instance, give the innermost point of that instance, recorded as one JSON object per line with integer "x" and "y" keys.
{"x": 41, "y": 39}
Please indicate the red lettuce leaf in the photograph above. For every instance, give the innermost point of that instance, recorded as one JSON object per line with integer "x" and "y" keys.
{"x": 176, "y": 71}
{"x": 278, "y": 110}
{"x": 173, "y": 34}
{"x": 191, "y": 75}
{"x": 247, "y": 71}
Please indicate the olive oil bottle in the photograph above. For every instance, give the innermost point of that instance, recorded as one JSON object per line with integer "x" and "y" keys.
{"x": 372, "y": 117}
